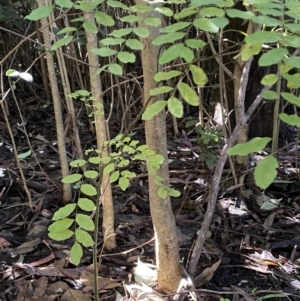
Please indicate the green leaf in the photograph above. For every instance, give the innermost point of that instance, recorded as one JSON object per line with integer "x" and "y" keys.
{"x": 195, "y": 44}
{"x": 271, "y": 95}
{"x": 118, "y": 33}
{"x": 185, "y": 13}
{"x": 123, "y": 183}
{"x": 141, "y": 32}
{"x": 174, "y": 193}
{"x": 291, "y": 98}
{"x": 249, "y": 50}
{"x": 64, "y": 3}
{"x": 170, "y": 54}
{"x": 63, "y": 235}
{"x": 236, "y": 13}
{"x": 109, "y": 168}
{"x": 40, "y": 13}
{"x": 95, "y": 160}
{"x": 104, "y": 19}
{"x": 117, "y": 4}
{"x": 125, "y": 162}
{"x": 290, "y": 119}
{"x": 269, "y": 79}
{"x": 114, "y": 176}
{"x": 175, "y": 107}
{"x": 154, "y": 109}
{"x": 199, "y": 76}
{"x": 90, "y": 27}
{"x": 88, "y": 189}
{"x": 140, "y": 8}
{"x": 265, "y": 172}
{"x": 128, "y": 174}
{"x": 165, "y": 11}
{"x": 272, "y": 57}
{"x": 84, "y": 238}
{"x": 115, "y": 69}
{"x": 187, "y": 54}
{"x": 85, "y": 222}
{"x": 160, "y": 90}
{"x": 153, "y": 21}
{"x": 175, "y": 27}
{"x": 70, "y": 179}
{"x": 91, "y": 174}
{"x": 220, "y": 22}
{"x": 66, "y": 30}
{"x": 263, "y": 37}
{"x": 293, "y": 81}
{"x": 61, "y": 225}
{"x": 188, "y": 94}
{"x": 76, "y": 253}
{"x": 162, "y": 192}
{"x": 104, "y": 52}
{"x": 162, "y": 76}
{"x": 112, "y": 41}
{"x": 292, "y": 61}
{"x": 254, "y": 145}
{"x": 134, "y": 44}
{"x": 212, "y": 11}
{"x": 62, "y": 42}
{"x": 131, "y": 19}
{"x": 78, "y": 163}
{"x": 168, "y": 38}
{"x": 64, "y": 212}
{"x": 206, "y": 25}
{"x": 126, "y": 57}
{"x": 86, "y": 204}
{"x": 267, "y": 21}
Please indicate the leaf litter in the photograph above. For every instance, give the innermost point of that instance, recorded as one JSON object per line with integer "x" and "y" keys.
{"x": 251, "y": 251}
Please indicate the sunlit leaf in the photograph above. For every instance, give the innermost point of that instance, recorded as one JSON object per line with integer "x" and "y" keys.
{"x": 115, "y": 69}
{"x": 206, "y": 25}
{"x": 59, "y": 236}
{"x": 85, "y": 222}
{"x": 254, "y": 145}
{"x": 175, "y": 27}
{"x": 265, "y": 172}
{"x": 86, "y": 204}
{"x": 199, "y": 76}
{"x": 104, "y": 19}
{"x": 161, "y": 76}
{"x": 291, "y": 98}
{"x": 109, "y": 168}
{"x": 188, "y": 94}
{"x": 114, "y": 176}
{"x": 293, "y": 119}
{"x": 154, "y": 109}
{"x": 84, "y": 238}
{"x": 123, "y": 183}
{"x": 90, "y": 27}
{"x": 40, "y": 13}
{"x": 175, "y": 107}
{"x": 168, "y": 38}
{"x": 88, "y": 189}
{"x": 72, "y": 178}
{"x": 62, "y": 42}
{"x": 160, "y": 90}
{"x": 61, "y": 225}
{"x": 76, "y": 253}
{"x": 272, "y": 57}
{"x": 269, "y": 79}
{"x": 64, "y": 212}
{"x": 126, "y": 57}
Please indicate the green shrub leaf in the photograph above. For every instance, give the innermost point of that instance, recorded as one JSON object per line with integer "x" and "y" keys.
{"x": 199, "y": 76}
{"x": 88, "y": 189}
{"x": 59, "y": 236}
{"x": 86, "y": 204}
{"x": 70, "y": 179}
{"x": 272, "y": 57}
{"x": 123, "y": 183}
{"x": 109, "y": 168}
{"x": 160, "y": 90}
{"x": 161, "y": 76}
{"x": 269, "y": 79}
{"x": 254, "y": 145}
{"x": 61, "y": 225}
{"x": 126, "y": 57}
{"x": 206, "y": 25}
{"x": 188, "y": 94}
{"x": 168, "y": 38}
{"x": 114, "y": 176}
{"x": 84, "y": 238}
{"x": 265, "y": 172}
{"x": 64, "y": 212}
{"x": 175, "y": 107}
{"x": 62, "y": 42}
{"x": 104, "y": 19}
{"x": 154, "y": 109}
{"x": 291, "y": 98}
{"x": 85, "y": 222}
{"x": 91, "y": 174}
{"x": 40, "y": 13}
{"x": 290, "y": 119}
{"x": 76, "y": 253}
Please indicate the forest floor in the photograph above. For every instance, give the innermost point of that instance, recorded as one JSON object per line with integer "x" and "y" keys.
{"x": 250, "y": 252}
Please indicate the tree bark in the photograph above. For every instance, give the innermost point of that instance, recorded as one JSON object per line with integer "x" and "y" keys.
{"x": 96, "y": 89}
{"x": 167, "y": 250}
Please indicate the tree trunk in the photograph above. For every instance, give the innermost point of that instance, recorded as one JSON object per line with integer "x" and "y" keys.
{"x": 96, "y": 89}
{"x": 167, "y": 250}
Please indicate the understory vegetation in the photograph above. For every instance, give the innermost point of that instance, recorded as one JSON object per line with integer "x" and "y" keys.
{"x": 125, "y": 122}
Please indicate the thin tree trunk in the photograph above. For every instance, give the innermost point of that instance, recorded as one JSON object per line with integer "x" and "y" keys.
{"x": 67, "y": 193}
{"x": 167, "y": 250}
{"x": 96, "y": 89}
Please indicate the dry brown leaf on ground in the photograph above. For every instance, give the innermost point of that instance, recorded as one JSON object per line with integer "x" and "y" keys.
{"x": 40, "y": 285}
{"x": 87, "y": 279}
{"x": 207, "y": 274}
{"x": 75, "y": 295}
